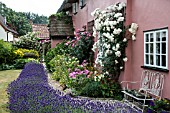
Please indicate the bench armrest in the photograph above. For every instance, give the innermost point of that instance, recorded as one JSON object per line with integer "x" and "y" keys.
{"x": 129, "y": 82}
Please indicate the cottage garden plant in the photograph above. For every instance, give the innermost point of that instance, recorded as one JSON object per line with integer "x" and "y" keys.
{"x": 109, "y": 27}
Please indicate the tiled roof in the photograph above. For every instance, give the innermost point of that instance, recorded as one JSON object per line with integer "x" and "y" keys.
{"x": 41, "y": 30}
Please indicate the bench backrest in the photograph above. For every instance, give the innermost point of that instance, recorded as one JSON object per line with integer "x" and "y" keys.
{"x": 152, "y": 82}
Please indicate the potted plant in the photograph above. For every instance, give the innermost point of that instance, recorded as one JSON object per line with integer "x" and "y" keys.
{"x": 159, "y": 106}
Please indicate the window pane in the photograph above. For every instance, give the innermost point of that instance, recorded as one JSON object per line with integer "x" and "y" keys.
{"x": 151, "y": 59}
{"x": 158, "y": 60}
{"x": 151, "y": 37}
{"x": 147, "y": 48}
{"x": 164, "y": 34}
{"x": 163, "y": 60}
{"x": 164, "y": 48}
{"x": 147, "y": 37}
{"x": 163, "y": 38}
{"x": 157, "y": 47}
{"x": 147, "y": 59}
{"x": 158, "y": 36}
{"x": 151, "y": 48}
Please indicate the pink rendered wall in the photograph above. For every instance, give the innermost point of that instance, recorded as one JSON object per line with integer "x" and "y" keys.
{"x": 148, "y": 14}
{"x": 84, "y": 15}
{"x": 54, "y": 42}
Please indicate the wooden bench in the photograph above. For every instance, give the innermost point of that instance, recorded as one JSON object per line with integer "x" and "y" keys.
{"x": 151, "y": 86}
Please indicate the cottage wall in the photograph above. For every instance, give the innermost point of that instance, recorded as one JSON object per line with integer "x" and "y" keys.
{"x": 3, "y": 33}
{"x": 84, "y": 15}
{"x": 148, "y": 14}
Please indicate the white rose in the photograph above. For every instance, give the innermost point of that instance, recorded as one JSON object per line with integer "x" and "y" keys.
{"x": 133, "y": 37}
{"x": 125, "y": 59}
{"x": 117, "y": 46}
{"x": 134, "y": 26}
{"x": 95, "y": 78}
{"x": 118, "y": 15}
{"x": 120, "y": 19}
{"x": 108, "y": 28}
{"x": 119, "y": 7}
{"x": 116, "y": 62}
{"x": 118, "y": 53}
{"x": 113, "y": 48}
{"x": 121, "y": 67}
{"x": 123, "y": 4}
{"x": 125, "y": 39}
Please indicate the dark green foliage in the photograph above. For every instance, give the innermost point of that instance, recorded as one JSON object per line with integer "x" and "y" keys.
{"x": 81, "y": 47}
{"x": 63, "y": 16}
{"x": 60, "y": 49}
{"x": 6, "y": 67}
{"x": 101, "y": 89}
{"x": 92, "y": 89}
{"x": 20, "y": 21}
{"x": 6, "y": 52}
{"x": 159, "y": 106}
{"x": 35, "y": 18}
{"x": 20, "y": 63}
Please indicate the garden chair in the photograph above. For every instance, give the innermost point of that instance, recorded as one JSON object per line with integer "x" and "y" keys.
{"x": 151, "y": 86}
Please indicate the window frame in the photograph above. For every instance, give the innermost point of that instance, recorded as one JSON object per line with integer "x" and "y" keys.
{"x": 155, "y": 65}
{"x": 75, "y": 8}
{"x": 82, "y": 3}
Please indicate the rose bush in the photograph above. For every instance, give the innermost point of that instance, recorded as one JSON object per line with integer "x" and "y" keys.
{"x": 110, "y": 30}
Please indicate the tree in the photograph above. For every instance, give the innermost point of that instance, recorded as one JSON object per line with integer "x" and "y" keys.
{"x": 20, "y": 21}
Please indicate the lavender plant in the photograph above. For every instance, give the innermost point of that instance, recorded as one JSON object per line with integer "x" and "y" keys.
{"x": 30, "y": 93}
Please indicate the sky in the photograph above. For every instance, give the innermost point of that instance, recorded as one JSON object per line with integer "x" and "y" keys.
{"x": 40, "y": 7}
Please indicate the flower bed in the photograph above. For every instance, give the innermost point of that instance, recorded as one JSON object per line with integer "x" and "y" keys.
{"x": 31, "y": 93}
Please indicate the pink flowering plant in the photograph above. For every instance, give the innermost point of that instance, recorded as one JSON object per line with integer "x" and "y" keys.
{"x": 79, "y": 77}
{"x": 81, "y": 45}
{"x": 60, "y": 66}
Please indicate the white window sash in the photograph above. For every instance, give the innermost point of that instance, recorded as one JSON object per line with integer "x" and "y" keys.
{"x": 154, "y": 49}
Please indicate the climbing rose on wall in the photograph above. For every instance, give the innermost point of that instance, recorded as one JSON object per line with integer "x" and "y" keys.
{"x": 110, "y": 29}
{"x": 133, "y": 30}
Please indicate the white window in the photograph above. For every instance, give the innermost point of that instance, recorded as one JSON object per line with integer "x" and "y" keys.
{"x": 156, "y": 48}
{"x": 82, "y": 3}
{"x": 75, "y": 8}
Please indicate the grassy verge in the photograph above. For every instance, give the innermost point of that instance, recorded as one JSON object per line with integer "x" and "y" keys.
{"x": 6, "y": 77}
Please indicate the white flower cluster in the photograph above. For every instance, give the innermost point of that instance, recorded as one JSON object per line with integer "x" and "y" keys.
{"x": 99, "y": 77}
{"x": 108, "y": 25}
{"x": 133, "y": 30}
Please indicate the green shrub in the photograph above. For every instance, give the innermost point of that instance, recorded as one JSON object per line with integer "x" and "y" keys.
{"x": 60, "y": 49}
{"x": 160, "y": 106}
{"x": 6, "y": 52}
{"x": 60, "y": 66}
{"x": 81, "y": 46}
{"x": 28, "y": 41}
{"x": 91, "y": 89}
{"x": 20, "y": 63}
{"x": 6, "y": 67}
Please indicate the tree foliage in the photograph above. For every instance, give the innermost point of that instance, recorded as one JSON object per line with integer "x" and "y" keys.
{"x": 20, "y": 21}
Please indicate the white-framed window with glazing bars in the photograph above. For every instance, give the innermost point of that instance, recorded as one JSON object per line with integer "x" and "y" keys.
{"x": 75, "y": 7}
{"x": 82, "y": 3}
{"x": 156, "y": 48}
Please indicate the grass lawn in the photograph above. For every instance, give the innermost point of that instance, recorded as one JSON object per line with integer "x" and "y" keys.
{"x": 6, "y": 77}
